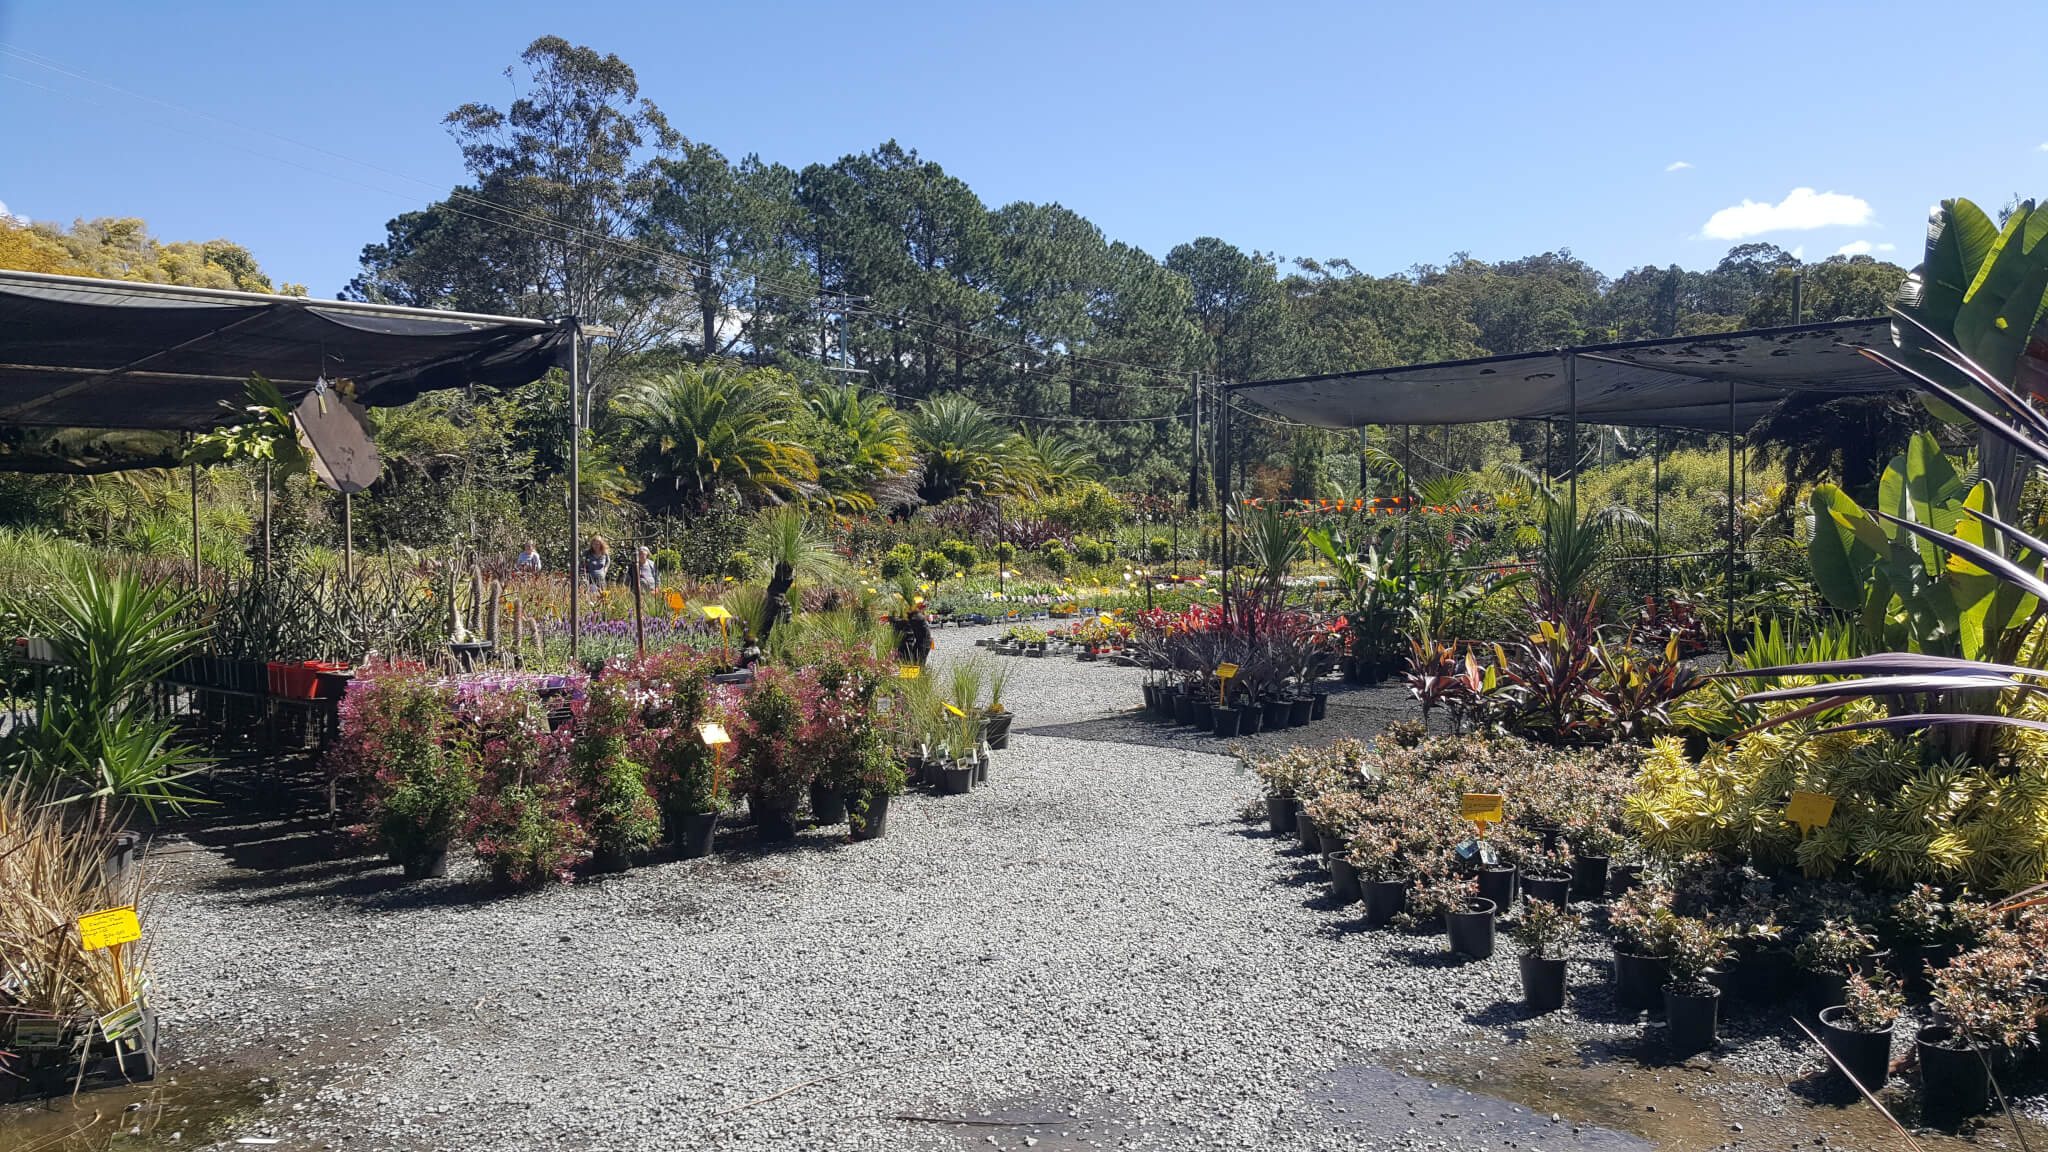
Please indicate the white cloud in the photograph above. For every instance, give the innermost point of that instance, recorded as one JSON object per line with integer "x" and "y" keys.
{"x": 1862, "y": 248}
{"x": 1802, "y": 209}
{"x": 1675, "y": 165}
{"x": 9, "y": 216}
{"x": 1799, "y": 253}
{"x": 2042, "y": 148}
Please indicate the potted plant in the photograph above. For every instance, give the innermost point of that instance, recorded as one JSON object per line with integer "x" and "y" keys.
{"x": 1468, "y": 918}
{"x": 1593, "y": 847}
{"x": 1546, "y": 877}
{"x": 396, "y": 739}
{"x": 774, "y": 761}
{"x": 1544, "y": 931}
{"x": 996, "y": 718}
{"x": 1987, "y": 1004}
{"x": 1933, "y": 930}
{"x": 877, "y": 776}
{"x": 1644, "y": 928}
{"x": 522, "y": 822}
{"x": 960, "y": 760}
{"x": 1829, "y": 955}
{"x": 613, "y": 801}
{"x": 1858, "y": 1031}
{"x": 1224, "y": 720}
{"x": 1692, "y": 1004}
{"x": 1383, "y": 872}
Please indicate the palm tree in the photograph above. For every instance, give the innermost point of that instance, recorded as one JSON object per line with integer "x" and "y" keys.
{"x": 1050, "y": 460}
{"x": 965, "y": 451}
{"x": 708, "y": 425}
{"x": 866, "y": 459}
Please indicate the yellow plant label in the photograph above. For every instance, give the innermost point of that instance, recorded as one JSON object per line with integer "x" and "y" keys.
{"x": 1482, "y": 807}
{"x": 954, "y": 711}
{"x": 1226, "y": 671}
{"x": 909, "y": 672}
{"x": 1810, "y": 809}
{"x": 106, "y": 929}
{"x": 714, "y": 734}
{"x": 716, "y": 612}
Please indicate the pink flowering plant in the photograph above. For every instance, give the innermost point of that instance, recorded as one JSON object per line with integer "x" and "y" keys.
{"x": 612, "y": 797}
{"x": 396, "y": 752}
{"x": 776, "y": 727}
{"x": 688, "y": 776}
{"x": 523, "y": 822}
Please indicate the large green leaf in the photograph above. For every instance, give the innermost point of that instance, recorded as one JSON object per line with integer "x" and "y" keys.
{"x": 1959, "y": 237}
{"x": 1983, "y": 303}
{"x": 1841, "y": 562}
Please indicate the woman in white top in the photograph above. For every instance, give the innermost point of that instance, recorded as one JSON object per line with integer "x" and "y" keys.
{"x": 644, "y": 565}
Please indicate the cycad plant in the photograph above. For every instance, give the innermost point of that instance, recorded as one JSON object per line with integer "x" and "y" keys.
{"x": 709, "y": 426}
{"x": 966, "y": 451}
{"x": 865, "y": 457}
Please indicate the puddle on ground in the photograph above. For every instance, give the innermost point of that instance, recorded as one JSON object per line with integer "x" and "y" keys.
{"x": 1389, "y": 1105}
{"x": 1629, "y": 1090}
{"x": 1045, "y": 1125}
{"x": 185, "y": 1109}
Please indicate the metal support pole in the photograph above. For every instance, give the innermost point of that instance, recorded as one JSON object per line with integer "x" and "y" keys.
{"x": 1728, "y": 626}
{"x": 1657, "y": 511}
{"x": 194, "y": 473}
{"x": 1225, "y": 504}
{"x": 1000, "y": 536}
{"x": 1799, "y": 296}
{"x": 1571, "y": 388}
{"x": 1194, "y": 440}
{"x": 348, "y": 539}
{"x": 1447, "y": 450}
{"x": 575, "y": 493}
{"x": 639, "y": 622}
{"x": 1549, "y": 448}
{"x": 266, "y": 517}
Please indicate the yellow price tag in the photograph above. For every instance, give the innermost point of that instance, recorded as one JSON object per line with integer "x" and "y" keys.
{"x": 955, "y": 711}
{"x": 714, "y": 734}
{"x": 106, "y": 929}
{"x": 715, "y": 612}
{"x": 1482, "y": 807}
{"x": 908, "y": 672}
{"x": 1810, "y": 810}
{"x": 1226, "y": 671}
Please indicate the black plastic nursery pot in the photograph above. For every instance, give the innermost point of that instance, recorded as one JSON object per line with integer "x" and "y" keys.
{"x": 1249, "y": 717}
{"x": 1384, "y": 900}
{"x": 1763, "y": 975}
{"x": 1497, "y": 883}
{"x": 1305, "y": 830}
{"x": 999, "y": 730}
{"x": 51, "y": 1058}
{"x": 1300, "y": 711}
{"x": 981, "y": 769}
{"x": 1639, "y": 980}
{"x": 1198, "y": 712}
{"x": 873, "y": 822}
{"x": 428, "y": 865}
{"x": 1276, "y": 715}
{"x": 1319, "y": 705}
{"x": 1589, "y": 877}
{"x": 1867, "y": 1055}
{"x": 772, "y": 823}
{"x": 1344, "y": 887}
{"x": 1470, "y": 927}
{"x": 1183, "y": 708}
{"x": 1623, "y": 877}
{"x": 1223, "y": 721}
{"x": 1954, "y": 1081}
{"x": 1543, "y": 983}
{"x": 1927, "y": 960}
{"x": 1549, "y": 833}
{"x": 1692, "y": 1017}
{"x": 959, "y": 778}
{"x": 828, "y": 805}
{"x": 1556, "y": 889}
{"x": 1826, "y": 989}
{"x": 698, "y": 832}
{"x": 1332, "y": 845}
{"x": 1280, "y": 814}
{"x": 1150, "y": 691}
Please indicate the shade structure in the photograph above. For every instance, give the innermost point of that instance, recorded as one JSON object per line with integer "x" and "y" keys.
{"x": 97, "y": 375}
{"x": 1687, "y": 382}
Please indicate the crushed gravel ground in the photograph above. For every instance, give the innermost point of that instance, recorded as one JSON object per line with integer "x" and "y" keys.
{"x": 1093, "y": 951}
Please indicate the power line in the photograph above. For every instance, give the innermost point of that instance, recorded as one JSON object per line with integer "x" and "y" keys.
{"x": 790, "y": 288}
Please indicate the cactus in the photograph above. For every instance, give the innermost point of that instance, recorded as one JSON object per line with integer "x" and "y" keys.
{"x": 457, "y": 632}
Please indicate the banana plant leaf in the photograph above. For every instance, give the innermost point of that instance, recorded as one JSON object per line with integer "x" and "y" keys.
{"x": 1983, "y": 558}
{"x": 1944, "y": 352}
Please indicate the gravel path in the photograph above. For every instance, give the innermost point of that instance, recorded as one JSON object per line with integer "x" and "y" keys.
{"x": 1092, "y": 951}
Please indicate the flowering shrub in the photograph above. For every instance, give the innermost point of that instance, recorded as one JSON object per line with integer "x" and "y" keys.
{"x": 1992, "y": 994}
{"x": 612, "y": 797}
{"x": 523, "y": 822}
{"x": 687, "y": 775}
{"x": 394, "y": 748}
{"x": 772, "y": 722}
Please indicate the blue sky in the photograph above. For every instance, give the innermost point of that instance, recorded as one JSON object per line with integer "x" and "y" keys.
{"x": 1389, "y": 134}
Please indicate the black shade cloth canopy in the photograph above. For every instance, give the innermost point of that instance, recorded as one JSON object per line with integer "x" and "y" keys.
{"x": 97, "y": 375}
{"x": 1673, "y": 383}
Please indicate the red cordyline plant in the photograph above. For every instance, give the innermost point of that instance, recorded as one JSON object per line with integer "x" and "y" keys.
{"x": 1271, "y": 645}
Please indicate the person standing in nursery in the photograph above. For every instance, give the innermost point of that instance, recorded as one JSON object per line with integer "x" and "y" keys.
{"x": 643, "y": 566}
{"x": 529, "y": 560}
{"x": 597, "y": 563}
